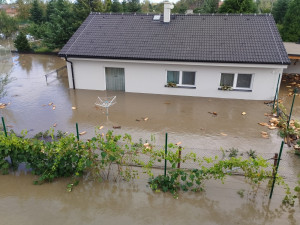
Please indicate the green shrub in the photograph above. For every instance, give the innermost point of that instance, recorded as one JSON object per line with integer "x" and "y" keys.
{"x": 21, "y": 43}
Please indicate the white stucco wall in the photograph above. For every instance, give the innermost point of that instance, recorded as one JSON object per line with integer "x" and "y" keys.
{"x": 151, "y": 77}
{"x": 294, "y": 67}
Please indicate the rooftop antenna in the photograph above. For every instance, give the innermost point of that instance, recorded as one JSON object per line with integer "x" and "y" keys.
{"x": 106, "y": 102}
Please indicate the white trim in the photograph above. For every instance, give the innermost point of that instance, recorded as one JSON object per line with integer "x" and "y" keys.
{"x": 184, "y": 63}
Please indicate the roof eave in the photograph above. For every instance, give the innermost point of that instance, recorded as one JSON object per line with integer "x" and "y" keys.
{"x": 172, "y": 60}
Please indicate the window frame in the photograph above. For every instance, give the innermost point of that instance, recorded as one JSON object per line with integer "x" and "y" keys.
{"x": 180, "y": 77}
{"x": 235, "y": 78}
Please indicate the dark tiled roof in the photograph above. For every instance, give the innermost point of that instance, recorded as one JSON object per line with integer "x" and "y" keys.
{"x": 192, "y": 38}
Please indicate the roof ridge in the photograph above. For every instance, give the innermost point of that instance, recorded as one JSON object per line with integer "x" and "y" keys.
{"x": 175, "y": 14}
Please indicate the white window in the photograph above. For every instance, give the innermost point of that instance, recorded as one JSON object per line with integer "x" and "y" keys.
{"x": 236, "y": 80}
{"x": 181, "y": 78}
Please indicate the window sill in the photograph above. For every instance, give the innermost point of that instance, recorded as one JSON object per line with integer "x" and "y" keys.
{"x": 242, "y": 90}
{"x": 187, "y": 87}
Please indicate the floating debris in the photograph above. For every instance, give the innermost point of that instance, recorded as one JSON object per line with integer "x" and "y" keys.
{"x": 213, "y": 113}
{"x": 223, "y": 134}
{"x": 44, "y": 105}
{"x": 82, "y": 133}
{"x": 100, "y": 128}
{"x": 73, "y": 107}
{"x": 54, "y": 125}
{"x": 244, "y": 113}
{"x": 264, "y": 134}
{"x": 145, "y": 119}
{"x": 274, "y": 120}
{"x": 272, "y": 127}
{"x": 2, "y": 105}
{"x": 264, "y": 124}
{"x": 117, "y": 127}
{"x": 51, "y": 103}
{"x": 10, "y": 126}
{"x": 178, "y": 143}
{"x": 268, "y": 114}
{"x": 54, "y": 107}
{"x": 137, "y": 120}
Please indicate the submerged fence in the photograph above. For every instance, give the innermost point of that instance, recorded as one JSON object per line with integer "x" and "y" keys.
{"x": 274, "y": 159}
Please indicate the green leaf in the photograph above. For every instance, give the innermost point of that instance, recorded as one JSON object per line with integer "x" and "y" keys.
{"x": 103, "y": 154}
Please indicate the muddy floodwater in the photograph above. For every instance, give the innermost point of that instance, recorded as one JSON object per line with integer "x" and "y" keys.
{"x": 185, "y": 119}
{"x": 135, "y": 204}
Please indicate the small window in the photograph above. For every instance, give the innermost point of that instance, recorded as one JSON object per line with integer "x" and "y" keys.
{"x": 236, "y": 80}
{"x": 244, "y": 80}
{"x": 227, "y": 79}
{"x": 173, "y": 77}
{"x": 181, "y": 78}
{"x": 188, "y": 78}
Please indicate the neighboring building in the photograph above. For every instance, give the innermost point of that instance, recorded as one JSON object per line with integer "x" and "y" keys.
{"x": 293, "y": 50}
{"x": 202, "y": 54}
{"x": 10, "y": 9}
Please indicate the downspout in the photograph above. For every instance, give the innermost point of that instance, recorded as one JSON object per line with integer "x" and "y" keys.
{"x": 71, "y": 71}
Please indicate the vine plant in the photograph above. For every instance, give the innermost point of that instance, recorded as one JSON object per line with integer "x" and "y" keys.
{"x": 115, "y": 157}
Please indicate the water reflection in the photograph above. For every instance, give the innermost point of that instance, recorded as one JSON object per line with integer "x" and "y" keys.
{"x": 123, "y": 203}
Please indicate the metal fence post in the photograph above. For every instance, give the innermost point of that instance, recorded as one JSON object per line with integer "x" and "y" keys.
{"x": 295, "y": 91}
{"x": 77, "y": 132}
{"x": 179, "y": 157}
{"x": 276, "y": 94}
{"x": 276, "y": 170}
{"x": 5, "y": 132}
{"x": 4, "y": 127}
{"x": 166, "y": 153}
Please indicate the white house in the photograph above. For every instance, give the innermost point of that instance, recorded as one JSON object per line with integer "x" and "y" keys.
{"x": 293, "y": 50}
{"x": 190, "y": 55}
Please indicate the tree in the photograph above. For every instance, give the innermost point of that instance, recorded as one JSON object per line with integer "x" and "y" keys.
{"x": 209, "y": 6}
{"x": 238, "y": 6}
{"x": 134, "y": 6}
{"x": 107, "y": 6}
{"x": 116, "y": 6}
{"x": 8, "y": 25}
{"x": 291, "y": 23}
{"x": 180, "y": 7}
{"x": 81, "y": 10}
{"x": 264, "y": 6}
{"x": 124, "y": 6}
{"x": 61, "y": 25}
{"x": 21, "y": 43}
{"x": 97, "y": 6}
{"x": 279, "y": 10}
{"x": 23, "y": 10}
{"x": 36, "y": 13}
{"x": 50, "y": 9}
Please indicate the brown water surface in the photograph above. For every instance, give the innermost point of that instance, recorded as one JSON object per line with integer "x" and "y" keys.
{"x": 21, "y": 202}
{"x": 186, "y": 119}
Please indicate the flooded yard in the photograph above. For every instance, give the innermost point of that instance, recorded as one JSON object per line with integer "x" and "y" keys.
{"x": 185, "y": 119}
